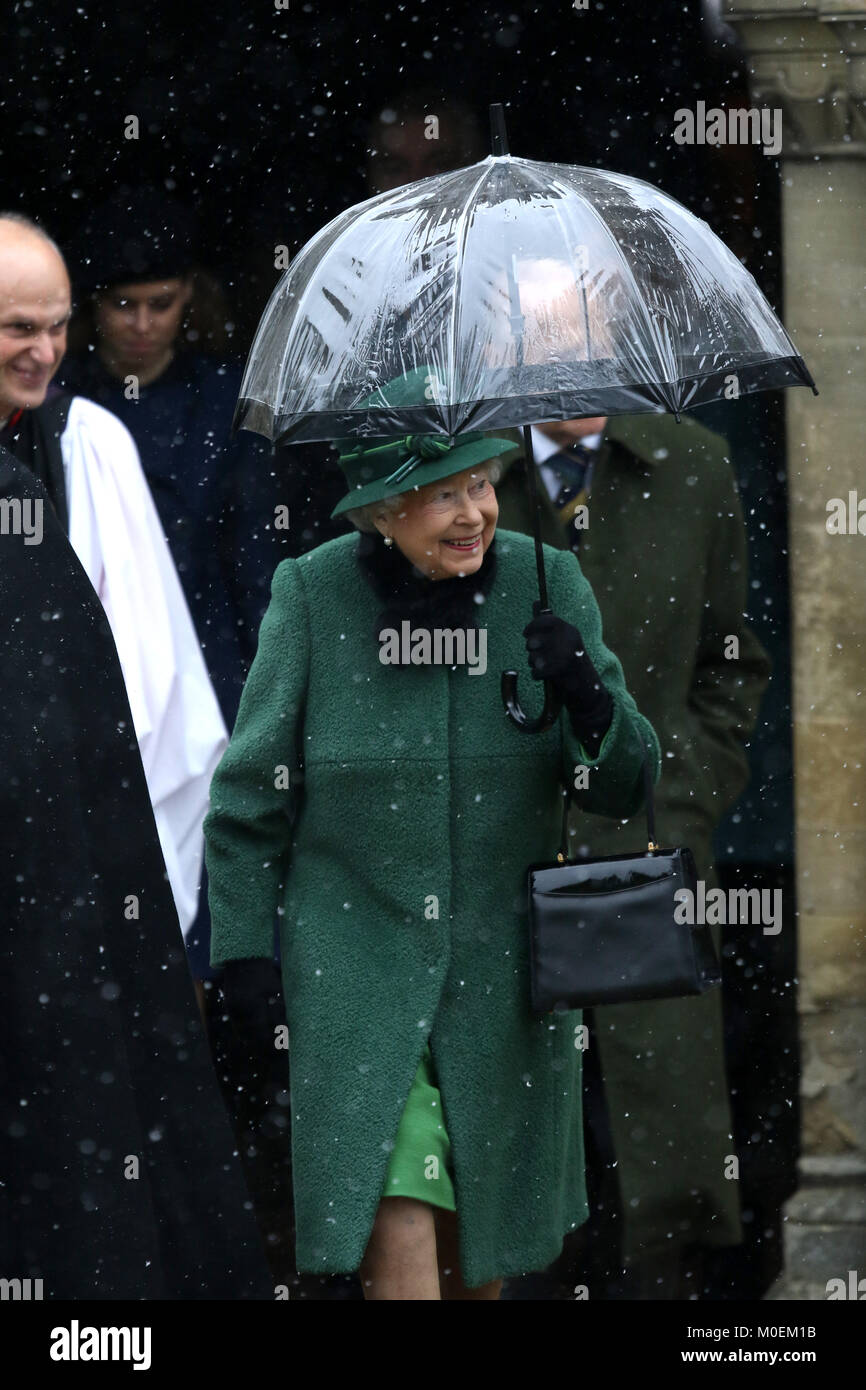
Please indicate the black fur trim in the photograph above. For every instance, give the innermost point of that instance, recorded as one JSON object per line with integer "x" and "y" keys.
{"x": 426, "y": 603}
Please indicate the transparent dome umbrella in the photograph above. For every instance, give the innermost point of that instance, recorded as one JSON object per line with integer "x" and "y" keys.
{"x": 530, "y": 292}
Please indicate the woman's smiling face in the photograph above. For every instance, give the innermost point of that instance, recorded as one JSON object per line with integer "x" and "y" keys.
{"x": 444, "y": 529}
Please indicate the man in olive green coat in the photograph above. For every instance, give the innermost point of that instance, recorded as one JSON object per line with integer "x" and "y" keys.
{"x": 402, "y": 880}
{"x": 662, "y": 542}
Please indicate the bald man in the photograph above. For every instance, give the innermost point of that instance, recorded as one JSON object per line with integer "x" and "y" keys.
{"x": 88, "y": 463}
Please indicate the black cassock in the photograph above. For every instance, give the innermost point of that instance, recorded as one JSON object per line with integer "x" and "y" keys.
{"x": 116, "y": 1158}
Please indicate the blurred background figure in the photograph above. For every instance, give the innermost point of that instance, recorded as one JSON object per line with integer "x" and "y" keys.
{"x": 417, "y": 134}
{"x": 88, "y": 464}
{"x": 149, "y": 342}
{"x": 651, "y": 508}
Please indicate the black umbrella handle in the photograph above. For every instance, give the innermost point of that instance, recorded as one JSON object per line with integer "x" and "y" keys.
{"x": 549, "y": 714}
{"x": 552, "y": 697}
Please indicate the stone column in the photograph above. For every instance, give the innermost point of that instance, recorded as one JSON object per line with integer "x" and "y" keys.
{"x": 809, "y": 59}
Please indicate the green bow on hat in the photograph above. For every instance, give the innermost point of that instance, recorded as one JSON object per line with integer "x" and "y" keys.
{"x": 383, "y": 467}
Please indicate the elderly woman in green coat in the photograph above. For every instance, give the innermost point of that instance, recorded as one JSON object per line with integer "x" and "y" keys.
{"x": 436, "y": 1122}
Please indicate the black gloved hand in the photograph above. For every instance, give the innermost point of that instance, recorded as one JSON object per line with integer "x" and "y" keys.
{"x": 250, "y": 990}
{"x": 557, "y": 654}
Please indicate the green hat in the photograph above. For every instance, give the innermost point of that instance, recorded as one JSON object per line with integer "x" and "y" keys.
{"x": 381, "y": 467}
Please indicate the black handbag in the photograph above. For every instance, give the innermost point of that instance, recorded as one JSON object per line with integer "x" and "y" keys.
{"x": 603, "y": 931}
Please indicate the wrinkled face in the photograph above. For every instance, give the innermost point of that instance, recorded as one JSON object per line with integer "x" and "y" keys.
{"x": 34, "y": 313}
{"x": 139, "y": 322}
{"x": 445, "y": 528}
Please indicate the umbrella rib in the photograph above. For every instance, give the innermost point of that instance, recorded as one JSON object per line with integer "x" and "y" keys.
{"x": 249, "y": 368}
{"x": 373, "y": 205}
{"x": 461, "y": 249}
{"x": 636, "y": 294}
{"x": 309, "y": 247}
{"x": 545, "y": 189}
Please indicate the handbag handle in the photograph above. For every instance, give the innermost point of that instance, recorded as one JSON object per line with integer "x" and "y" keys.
{"x": 649, "y": 803}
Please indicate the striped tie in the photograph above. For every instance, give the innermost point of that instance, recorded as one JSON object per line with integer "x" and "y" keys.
{"x": 573, "y": 471}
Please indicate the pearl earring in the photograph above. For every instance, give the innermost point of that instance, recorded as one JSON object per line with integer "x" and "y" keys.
{"x": 389, "y": 540}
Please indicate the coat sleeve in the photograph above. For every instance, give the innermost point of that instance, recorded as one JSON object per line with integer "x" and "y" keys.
{"x": 726, "y": 690}
{"x": 248, "y": 827}
{"x": 615, "y": 783}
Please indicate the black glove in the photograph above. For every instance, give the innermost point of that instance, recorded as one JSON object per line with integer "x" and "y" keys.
{"x": 251, "y": 989}
{"x": 557, "y": 654}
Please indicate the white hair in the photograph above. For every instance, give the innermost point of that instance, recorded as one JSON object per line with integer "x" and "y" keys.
{"x": 364, "y": 518}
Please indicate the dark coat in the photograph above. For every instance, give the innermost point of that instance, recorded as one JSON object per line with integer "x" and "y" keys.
{"x": 404, "y": 903}
{"x": 102, "y": 1056}
{"x": 665, "y": 552}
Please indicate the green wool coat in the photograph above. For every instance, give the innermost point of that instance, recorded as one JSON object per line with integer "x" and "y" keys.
{"x": 665, "y": 553}
{"x": 400, "y": 868}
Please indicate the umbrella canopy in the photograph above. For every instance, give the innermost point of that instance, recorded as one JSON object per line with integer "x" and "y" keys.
{"x": 536, "y": 291}
{"x": 525, "y": 292}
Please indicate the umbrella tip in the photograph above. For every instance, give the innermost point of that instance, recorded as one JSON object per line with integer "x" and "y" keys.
{"x": 498, "y": 133}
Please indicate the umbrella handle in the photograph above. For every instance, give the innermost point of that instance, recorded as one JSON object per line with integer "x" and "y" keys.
{"x": 552, "y": 698}
{"x": 548, "y": 716}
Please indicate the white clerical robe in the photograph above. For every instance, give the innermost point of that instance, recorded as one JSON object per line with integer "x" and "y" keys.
{"x": 115, "y": 531}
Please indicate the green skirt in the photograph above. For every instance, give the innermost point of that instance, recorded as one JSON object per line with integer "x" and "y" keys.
{"x": 420, "y": 1163}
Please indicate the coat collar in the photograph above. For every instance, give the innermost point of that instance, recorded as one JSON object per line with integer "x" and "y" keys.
{"x": 646, "y": 437}
{"x": 641, "y": 435}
